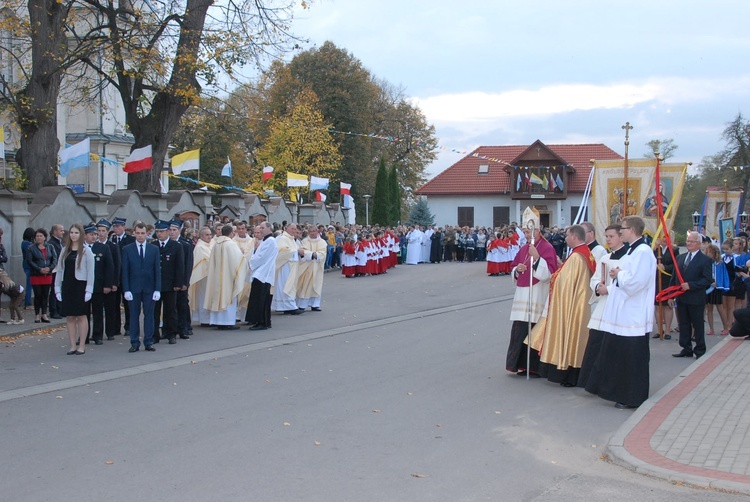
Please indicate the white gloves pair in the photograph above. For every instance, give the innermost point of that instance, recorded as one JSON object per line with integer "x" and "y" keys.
{"x": 129, "y": 296}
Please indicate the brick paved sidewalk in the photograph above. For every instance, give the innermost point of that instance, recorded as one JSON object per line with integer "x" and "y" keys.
{"x": 696, "y": 430}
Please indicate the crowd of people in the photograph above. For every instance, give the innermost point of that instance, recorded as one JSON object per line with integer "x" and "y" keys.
{"x": 586, "y": 320}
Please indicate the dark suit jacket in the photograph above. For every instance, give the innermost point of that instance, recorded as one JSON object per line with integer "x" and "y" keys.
{"x": 114, "y": 250}
{"x": 126, "y": 239}
{"x": 140, "y": 276}
{"x": 698, "y": 274}
{"x": 172, "y": 265}
{"x": 187, "y": 253}
{"x": 104, "y": 267}
{"x": 35, "y": 259}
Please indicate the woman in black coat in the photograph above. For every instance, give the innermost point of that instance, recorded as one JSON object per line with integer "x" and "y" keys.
{"x": 41, "y": 259}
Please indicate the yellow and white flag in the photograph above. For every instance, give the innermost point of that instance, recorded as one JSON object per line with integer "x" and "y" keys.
{"x": 187, "y": 161}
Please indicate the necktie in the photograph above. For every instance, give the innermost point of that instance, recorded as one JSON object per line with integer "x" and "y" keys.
{"x": 687, "y": 260}
{"x": 140, "y": 250}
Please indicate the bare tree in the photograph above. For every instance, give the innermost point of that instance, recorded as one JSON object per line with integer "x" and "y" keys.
{"x": 665, "y": 147}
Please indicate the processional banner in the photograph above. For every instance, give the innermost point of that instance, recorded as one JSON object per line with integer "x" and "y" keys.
{"x": 608, "y": 193}
{"x": 721, "y": 203}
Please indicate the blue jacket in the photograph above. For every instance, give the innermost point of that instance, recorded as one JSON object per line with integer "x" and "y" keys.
{"x": 141, "y": 275}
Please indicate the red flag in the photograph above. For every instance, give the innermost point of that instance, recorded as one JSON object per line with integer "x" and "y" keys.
{"x": 320, "y": 197}
{"x": 139, "y": 160}
{"x": 346, "y": 189}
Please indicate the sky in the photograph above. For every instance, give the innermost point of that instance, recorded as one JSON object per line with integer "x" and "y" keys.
{"x": 496, "y": 72}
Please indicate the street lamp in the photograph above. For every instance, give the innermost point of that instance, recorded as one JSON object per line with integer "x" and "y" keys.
{"x": 696, "y": 220}
{"x": 367, "y": 209}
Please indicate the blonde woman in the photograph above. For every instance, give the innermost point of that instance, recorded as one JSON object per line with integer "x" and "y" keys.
{"x": 74, "y": 284}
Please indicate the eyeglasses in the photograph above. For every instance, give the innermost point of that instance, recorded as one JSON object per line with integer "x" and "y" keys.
{"x": 624, "y": 228}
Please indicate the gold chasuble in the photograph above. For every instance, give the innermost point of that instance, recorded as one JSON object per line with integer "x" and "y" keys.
{"x": 201, "y": 254}
{"x": 561, "y": 337}
{"x": 310, "y": 281}
{"x": 227, "y": 269}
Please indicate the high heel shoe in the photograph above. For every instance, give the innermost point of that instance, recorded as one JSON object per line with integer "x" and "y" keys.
{"x": 36, "y": 319}
{"x": 71, "y": 352}
{"x": 45, "y": 318}
{"x": 79, "y": 352}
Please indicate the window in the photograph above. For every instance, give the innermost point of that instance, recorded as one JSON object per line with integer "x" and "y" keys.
{"x": 484, "y": 169}
{"x": 465, "y": 217}
{"x": 500, "y": 216}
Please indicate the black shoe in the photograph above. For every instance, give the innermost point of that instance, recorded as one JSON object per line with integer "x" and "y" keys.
{"x": 184, "y": 337}
{"x": 172, "y": 341}
{"x": 667, "y": 337}
{"x": 98, "y": 342}
{"x": 228, "y": 328}
{"x": 205, "y": 325}
{"x": 46, "y": 320}
{"x": 80, "y": 352}
{"x": 55, "y": 316}
{"x": 71, "y": 352}
{"x": 315, "y": 309}
{"x": 683, "y": 354}
{"x": 110, "y": 338}
{"x": 567, "y": 384}
{"x": 134, "y": 348}
{"x": 623, "y": 406}
{"x": 257, "y": 327}
{"x": 656, "y": 335}
{"x": 150, "y": 348}
{"x": 293, "y": 312}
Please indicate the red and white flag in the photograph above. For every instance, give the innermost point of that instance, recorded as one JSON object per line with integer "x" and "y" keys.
{"x": 139, "y": 160}
{"x": 267, "y": 173}
{"x": 320, "y": 197}
{"x": 346, "y": 189}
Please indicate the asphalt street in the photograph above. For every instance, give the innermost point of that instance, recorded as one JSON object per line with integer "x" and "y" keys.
{"x": 395, "y": 392}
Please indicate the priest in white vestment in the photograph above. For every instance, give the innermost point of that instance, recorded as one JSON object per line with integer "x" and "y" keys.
{"x": 247, "y": 245}
{"x": 426, "y": 244}
{"x": 197, "y": 289}
{"x": 227, "y": 269}
{"x": 311, "y": 270}
{"x": 413, "y": 246}
{"x": 284, "y": 290}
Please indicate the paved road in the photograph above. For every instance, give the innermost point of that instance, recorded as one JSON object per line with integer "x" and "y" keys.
{"x": 396, "y": 391}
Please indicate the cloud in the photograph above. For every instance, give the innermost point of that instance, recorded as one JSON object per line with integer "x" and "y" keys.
{"x": 480, "y": 107}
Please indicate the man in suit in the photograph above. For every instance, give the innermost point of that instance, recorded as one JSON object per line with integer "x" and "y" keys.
{"x": 183, "y": 305}
{"x": 111, "y": 304}
{"x": 56, "y": 233}
{"x": 121, "y": 239}
{"x": 172, "y": 279}
{"x": 104, "y": 279}
{"x": 695, "y": 268}
{"x": 141, "y": 282}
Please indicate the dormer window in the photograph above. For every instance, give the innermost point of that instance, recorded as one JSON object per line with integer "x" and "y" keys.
{"x": 484, "y": 169}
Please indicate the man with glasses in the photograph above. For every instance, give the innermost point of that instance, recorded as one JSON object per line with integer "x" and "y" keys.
{"x": 596, "y": 249}
{"x": 621, "y": 372}
{"x": 697, "y": 274}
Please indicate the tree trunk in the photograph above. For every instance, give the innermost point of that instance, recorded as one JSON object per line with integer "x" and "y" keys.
{"x": 36, "y": 105}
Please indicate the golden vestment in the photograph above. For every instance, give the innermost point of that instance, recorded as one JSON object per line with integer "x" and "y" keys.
{"x": 561, "y": 336}
{"x": 310, "y": 282}
{"x": 201, "y": 254}
{"x": 227, "y": 269}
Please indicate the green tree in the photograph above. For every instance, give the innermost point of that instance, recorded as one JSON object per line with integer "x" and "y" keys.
{"x": 381, "y": 201}
{"x": 420, "y": 213}
{"x": 301, "y": 143}
{"x": 666, "y": 148}
{"x": 394, "y": 210}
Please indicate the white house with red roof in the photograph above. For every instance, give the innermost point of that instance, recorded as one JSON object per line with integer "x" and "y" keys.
{"x": 492, "y": 185}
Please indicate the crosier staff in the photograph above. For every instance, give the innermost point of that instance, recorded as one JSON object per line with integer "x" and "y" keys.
{"x": 532, "y": 251}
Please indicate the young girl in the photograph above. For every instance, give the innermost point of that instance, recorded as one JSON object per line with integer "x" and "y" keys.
{"x": 714, "y": 294}
{"x": 15, "y": 293}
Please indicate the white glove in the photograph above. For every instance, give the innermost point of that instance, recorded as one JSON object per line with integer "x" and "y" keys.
{"x": 87, "y": 297}
{"x": 58, "y": 296}
{"x": 157, "y": 296}
{"x": 128, "y": 296}
{"x": 20, "y": 289}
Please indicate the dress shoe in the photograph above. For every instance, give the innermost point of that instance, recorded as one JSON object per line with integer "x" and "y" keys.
{"x": 44, "y": 319}
{"x": 293, "y": 312}
{"x": 257, "y": 327}
{"x": 172, "y": 341}
{"x": 683, "y": 354}
{"x": 150, "y": 348}
{"x": 98, "y": 342}
{"x": 184, "y": 337}
{"x": 623, "y": 406}
{"x": 228, "y": 328}
{"x": 80, "y": 352}
{"x": 110, "y": 338}
{"x": 56, "y": 316}
{"x": 315, "y": 309}
{"x": 133, "y": 348}
{"x": 71, "y": 352}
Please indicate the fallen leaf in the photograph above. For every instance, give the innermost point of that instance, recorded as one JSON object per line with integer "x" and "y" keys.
{"x": 376, "y": 411}
{"x": 193, "y": 362}
{"x": 286, "y": 424}
{"x": 414, "y": 475}
{"x": 438, "y": 425}
{"x": 109, "y": 462}
{"x": 498, "y": 413}
{"x": 316, "y": 443}
{"x": 58, "y": 397}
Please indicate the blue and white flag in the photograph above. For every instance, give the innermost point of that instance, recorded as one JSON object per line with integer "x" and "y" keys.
{"x": 227, "y": 169}
{"x": 75, "y": 157}
{"x": 318, "y": 183}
